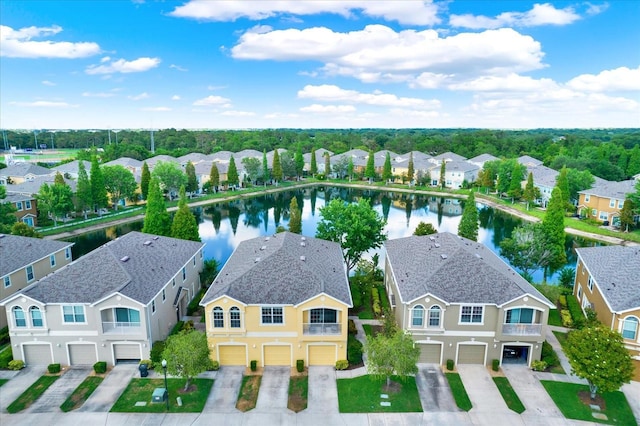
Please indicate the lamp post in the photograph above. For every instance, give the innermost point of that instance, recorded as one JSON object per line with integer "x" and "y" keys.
{"x": 164, "y": 367}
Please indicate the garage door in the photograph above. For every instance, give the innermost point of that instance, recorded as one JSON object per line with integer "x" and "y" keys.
{"x": 125, "y": 353}
{"x": 82, "y": 354}
{"x": 322, "y": 355}
{"x": 37, "y": 354}
{"x": 471, "y": 354}
{"x": 277, "y": 355}
{"x": 430, "y": 353}
{"x": 233, "y": 355}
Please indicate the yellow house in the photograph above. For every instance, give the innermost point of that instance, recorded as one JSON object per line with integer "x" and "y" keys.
{"x": 277, "y": 300}
{"x": 605, "y": 200}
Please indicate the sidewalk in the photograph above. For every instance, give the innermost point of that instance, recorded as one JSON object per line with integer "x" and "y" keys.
{"x": 564, "y": 362}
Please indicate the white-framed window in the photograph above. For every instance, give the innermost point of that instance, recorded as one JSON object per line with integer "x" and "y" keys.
{"x": 19, "y": 206}
{"x": 620, "y": 204}
{"x": 435, "y": 316}
{"x": 19, "y": 317}
{"x": 30, "y": 275}
{"x": 604, "y": 216}
{"x": 67, "y": 253}
{"x": 471, "y": 314}
{"x": 7, "y": 281}
{"x": 630, "y": 328}
{"x": 590, "y": 283}
{"x": 520, "y": 316}
{"x": 184, "y": 274}
{"x": 153, "y": 306}
{"x": 218, "y": 317}
{"x": 52, "y": 260}
{"x": 173, "y": 283}
{"x": 587, "y": 198}
{"x": 585, "y": 303}
{"x": 36, "y": 316}
{"x": 164, "y": 295}
{"x": 417, "y": 316}
{"x": 73, "y": 314}
{"x": 234, "y": 317}
{"x": 612, "y": 203}
{"x": 28, "y": 221}
{"x": 272, "y": 315}
{"x": 594, "y": 212}
{"x": 579, "y": 292}
{"x": 27, "y": 204}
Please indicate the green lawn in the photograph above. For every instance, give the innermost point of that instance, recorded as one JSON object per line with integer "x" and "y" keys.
{"x": 562, "y": 338}
{"x": 362, "y": 395}
{"x": 32, "y": 393}
{"x": 368, "y": 330}
{"x": 3, "y": 381}
{"x": 81, "y": 393}
{"x": 298, "y": 391}
{"x": 554, "y": 318}
{"x": 140, "y": 390}
{"x": 509, "y": 395}
{"x": 565, "y": 395}
{"x": 459, "y": 392}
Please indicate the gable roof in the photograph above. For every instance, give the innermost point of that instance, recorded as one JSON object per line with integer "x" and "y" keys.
{"x": 482, "y": 158}
{"x": 17, "y": 252}
{"x": 23, "y": 169}
{"x": 543, "y": 176}
{"x": 32, "y": 187}
{"x": 460, "y": 166}
{"x": 453, "y": 269}
{"x": 616, "y": 270}
{"x": 450, "y": 156}
{"x": 101, "y": 272}
{"x": 527, "y": 160}
{"x": 284, "y": 269}
{"x": 14, "y": 198}
{"x": 73, "y": 167}
{"x": 125, "y": 162}
{"x": 608, "y": 189}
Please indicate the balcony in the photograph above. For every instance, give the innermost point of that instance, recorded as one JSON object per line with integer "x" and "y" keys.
{"x": 522, "y": 329}
{"x": 317, "y": 329}
{"x": 111, "y": 327}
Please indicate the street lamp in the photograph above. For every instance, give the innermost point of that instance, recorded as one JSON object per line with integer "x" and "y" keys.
{"x": 164, "y": 367}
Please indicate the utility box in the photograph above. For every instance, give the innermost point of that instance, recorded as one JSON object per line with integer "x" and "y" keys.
{"x": 159, "y": 395}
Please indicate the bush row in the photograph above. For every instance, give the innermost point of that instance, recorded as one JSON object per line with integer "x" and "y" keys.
{"x": 576, "y": 312}
{"x": 354, "y": 350}
{"x": 549, "y": 356}
{"x": 377, "y": 309}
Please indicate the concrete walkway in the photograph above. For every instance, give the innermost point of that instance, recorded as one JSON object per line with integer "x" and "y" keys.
{"x": 18, "y": 384}
{"x": 110, "y": 389}
{"x": 274, "y": 390}
{"x": 564, "y": 362}
{"x": 226, "y": 387}
{"x": 51, "y": 400}
{"x": 434, "y": 390}
{"x": 323, "y": 390}
{"x": 632, "y": 392}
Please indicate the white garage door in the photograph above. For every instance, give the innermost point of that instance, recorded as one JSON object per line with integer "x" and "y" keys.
{"x": 82, "y": 354}
{"x": 124, "y": 352}
{"x": 471, "y": 354}
{"x": 37, "y": 354}
{"x": 430, "y": 353}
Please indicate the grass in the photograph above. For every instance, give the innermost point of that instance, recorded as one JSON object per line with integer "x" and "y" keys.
{"x": 509, "y": 395}
{"x": 554, "y": 318}
{"x": 142, "y": 389}
{"x": 562, "y": 337}
{"x": 298, "y": 391}
{"x": 368, "y": 330}
{"x": 565, "y": 396}
{"x": 248, "y": 393}
{"x": 80, "y": 223}
{"x": 81, "y": 393}
{"x": 362, "y": 395}
{"x": 32, "y": 393}
{"x": 3, "y": 381}
{"x": 459, "y": 392}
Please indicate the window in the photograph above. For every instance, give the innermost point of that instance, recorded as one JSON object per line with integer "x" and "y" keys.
{"x": 19, "y": 206}
{"x": 620, "y": 204}
{"x": 30, "y": 275}
{"x": 604, "y": 216}
{"x": 234, "y": 317}
{"x": 153, "y": 306}
{"x": 67, "y": 253}
{"x": 7, "y": 281}
{"x": 587, "y": 198}
{"x": 590, "y": 283}
{"x": 164, "y": 295}
{"x": 272, "y": 315}
{"x": 612, "y": 203}
{"x": 73, "y": 313}
{"x": 519, "y": 316}
{"x": 173, "y": 283}
{"x": 36, "y": 316}
{"x": 127, "y": 316}
{"x": 18, "y": 316}
{"x": 471, "y": 314}
{"x": 194, "y": 261}
{"x": 28, "y": 221}
{"x": 435, "y": 314}
{"x": 579, "y": 292}
{"x": 52, "y": 260}
{"x": 323, "y": 316}
{"x": 218, "y": 317}
{"x": 417, "y": 316}
{"x": 27, "y": 204}
{"x": 630, "y": 328}
{"x": 184, "y": 274}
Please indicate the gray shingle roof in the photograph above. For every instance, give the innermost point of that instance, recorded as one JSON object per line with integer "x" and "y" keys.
{"x": 527, "y": 160}
{"x": 73, "y": 167}
{"x": 482, "y": 158}
{"x": 33, "y": 187}
{"x": 460, "y": 166}
{"x": 450, "y": 156}
{"x": 23, "y": 169}
{"x": 14, "y": 198}
{"x": 608, "y": 189}
{"x": 125, "y": 162}
{"x": 17, "y": 252}
{"x": 616, "y": 270}
{"x": 454, "y": 269}
{"x": 102, "y": 272}
{"x": 281, "y": 276}
{"x": 543, "y": 175}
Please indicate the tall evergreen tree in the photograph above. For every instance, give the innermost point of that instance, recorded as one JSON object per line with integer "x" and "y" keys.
{"x": 553, "y": 225}
{"x": 386, "y": 169}
{"x": 626, "y": 215}
{"x": 298, "y": 159}
{"x": 410, "y": 168}
{"x": 98, "y": 190}
{"x": 7, "y": 213}
{"x": 184, "y": 224}
{"x": 84, "y": 198}
{"x": 370, "y": 170}
{"x": 468, "y": 226}
{"x": 313, "y": 168}
{"x": 214, "y": 177}
{"x": 265, "y": 168}
{"x": 633, "y": 166}
{"x": 515, "y": 182}
{"x": 232, "y": 173}
{"x": 192, "y": 180}
{"x": 295, "y": 217}
{"x": 350, "y": 169}
{"x": 144, "y": 180}
{"x": 156, "y": 219}
{"x": 529, "y": 190}
{"x": 327, "y": 165}
{"x": 276, "y": 167}
{"x": 59, "y": 179}
{"x": 443, "y": 173}
{"x": 562, "y": 182}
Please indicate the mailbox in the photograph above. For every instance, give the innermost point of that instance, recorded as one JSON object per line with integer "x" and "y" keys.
{"x": 159, "y": 395}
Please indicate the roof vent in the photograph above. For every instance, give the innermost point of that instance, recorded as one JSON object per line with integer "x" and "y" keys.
{"x": 263, "y": 248}
{"x": 444, "y": 256}
{"x": 257, "y": 260}
{"x": 436, "y": 245}
{"x": 147, "y": 243}
{"x": 156, "y": 237}
{"x": 478, "y": 256}
{"x": 267, "y": 238}
{"x": 124, "y": 259}
{"x": 303, "y": 244}
{"x": 303, "y": 258}
{"x": 432, "y": 238}
{"x": 303, "y": 238}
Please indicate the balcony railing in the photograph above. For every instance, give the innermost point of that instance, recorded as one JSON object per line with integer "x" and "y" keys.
{"x": 522, "y": 329}
{"x": 110, "y": 327}
{"x": 319, "y": 329}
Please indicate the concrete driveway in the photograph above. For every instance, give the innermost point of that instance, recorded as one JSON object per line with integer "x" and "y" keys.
{"x": 323, "y": 390}
{"x": 59, "y": 391}
{"x": 435, "y": 394}
{"x": 110, "y": 389}
{"x": 18, "y": 384}
{"x": 535, "y": 398}
{"x": 224, "y": 395}
{"x": 274, "y": 389}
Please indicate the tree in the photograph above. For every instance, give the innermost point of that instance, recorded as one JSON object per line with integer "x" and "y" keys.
{"x": 553, "y": 226}
{"x": 635, "y": 197}
{"x": 370, "y": 170}
{"x": 313, "y": 167}
{"x": 55, "y": 200}
{"x": 626, "y": 215}
{"x": 299, "y": 161}
{"x": 598, "y": 355}
{"x": 527, "y": 249}
{"x": 7, "y": 213}
{"x": 98, "y": 190}
{"x": 529, "y": 190}
{"x": 252, "y": 168}
{"x": 276, "y": 167}
{"x": 488, "y": 174}
{"x": 357, "y": 227}
{"x": 327, "y": 164}
{"x": 170, "y": 177}
{"x": 515, "y": 182}
{"x": 410, "y": 168}
{"x": 443, "y": 172}
{"x": 386, "y": 169}
{"x": 214, "y": 177}
{"x": 341, "y": 167}
{"x": 350, "y": 169}
{"x": 192, "y": 180}
{"x": 633, "y": 166}
{"x": 184, "y": 226}
{"x": 84, "y": 198}
{"x": 187, "y": 355}
{"x": 119, "y": 183}
{"x": 578, "y": 181}
{"x": 425, "y": 228}
{"x": 295, "y": 217}
{"x": 156, "y": 219}
{"x": 288, "y": 165}
{"x": 562, "y": 182}
{"x": 232, "y": 173}
{"x": 59, "y": 179}
{"x": 389, "y": 354}
{"x": 144, "y": 180}
{"x": 468, "y": 227}
{"x": 265, "y": 168}
{"x": 24, "y": 230}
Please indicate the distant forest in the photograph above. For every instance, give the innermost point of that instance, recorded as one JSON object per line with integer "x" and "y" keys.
{"x": 612, "y": 154}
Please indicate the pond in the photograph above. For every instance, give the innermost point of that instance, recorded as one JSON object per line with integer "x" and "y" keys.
{"x": 224, "y": 225}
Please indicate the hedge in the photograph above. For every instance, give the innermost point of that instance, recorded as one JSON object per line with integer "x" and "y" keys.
{"x": 576, "y": 312}
{"x": 354, "y": 350}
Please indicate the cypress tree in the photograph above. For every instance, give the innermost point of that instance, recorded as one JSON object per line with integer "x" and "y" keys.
{"x": 184, "y": 224}
{"x": 410, "y": 168}
{"x": 59, "y": 179}
{"x": 313, "y": 168}
{"x": 327, "y": 164}
{"x": 214, "y": 177}
{"x": 443, "y": 171}
{"x": 529, "y": 190}
{"x": 562, "y": 182}
{"x": 350, "y": 168}
{"x": 386, "y": 170}
{"x": 370, "y": 170}
{"x": 298, "y": 159}
{"x": 192, "y": 180}
{"x": 553, "y": 226}
{"x": 265, "y": 168}
{"x": 98, "y": 190}
{"x": 468, "y": 227}
{"x": 232, "y": 172}
{"x": 83, "y": 190}
{"x": 144, "y": 180}
{"x": 156, "y": 218}
{"x": 276, "y": 168}
{"x": 295, "y": 217}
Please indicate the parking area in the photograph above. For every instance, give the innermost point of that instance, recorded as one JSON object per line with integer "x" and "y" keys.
{"x": 435, "y": 394}
{"x": 110, "y": 389}
{"x": 59, "y": 391}
{"x": 323, "y": 390}
{"x": 226, "y": 387}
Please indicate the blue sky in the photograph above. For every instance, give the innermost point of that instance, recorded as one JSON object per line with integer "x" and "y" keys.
{"x": 318, "y": 64}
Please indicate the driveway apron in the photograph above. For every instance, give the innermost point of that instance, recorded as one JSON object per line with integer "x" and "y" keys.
{"x": 531, "y": 392}
{"x": 59, "y": 391}
{"x": 435, "y": 394}
{"x": 482, "y": 391}
{"x": 323, "y": 390}
{"x": 110, "y": 389}
{"x": 226, "y": 387}
{"x": 274, "y": 389}
{"x": 18, "y": 384}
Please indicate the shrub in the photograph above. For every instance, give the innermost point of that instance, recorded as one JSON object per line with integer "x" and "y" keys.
{"x": 549, "y": 355}
{"x": 450, "y": 364}
{"x": 53, "y": 368}
{"x": 148, "y": 363}
{"x": 342, "y": 364}
{"x": 375, "y": 295}
{"x": 576, "y": 312}
{"x": 194, "y": 305}
{"x": 562, "y": 299}
{"x": 100, "y": 367}
{"x": 565, "y": 316}
{"x": 16, "y": 364}
{"x": 254, "y": 365}
{"x": 177, "y": 328}
{"x": 495, "y": 364}
{"x": 300, "y": 365}
{"x": 156, "y": 351}
{"x": 356, "y": 293}
{"x": 213, "y": 366}
{"x": 187, "y": 326}
{"x": 352, "y": 327}
{"x": 538, "y": 365}
{"x": 354, "y": 351}
{"x": 5, "y": 358}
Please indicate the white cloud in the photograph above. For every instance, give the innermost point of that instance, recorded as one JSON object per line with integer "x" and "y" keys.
{"x": 331, "y": 93}
{"x": 410, "y": 12}
{"x": 331, "y": 109}
{"x": 48, "y": 83}
{"x": 44, "y": 104}
{"x": 178, "y": 68}
{"x": 212, "y": 101}
{"x": 279, "y": 115}
{"x": 508, "y": 83}
{"x": 595, "y": 9}
{"x": 540, "y": 14}
{"x": 97, "y": 95}
{"x": 175, "y": 98}
{"x": 210, "y": 87}
{"x": 156, "y": 109}
{"x": 621, "y": 78}
{"x": 124, "y": 66}
{"x": 19, "y": 44}
{"x": 238, "y": 113}
{"x": 141, "y": 96}
{"x": 105, "y": 59}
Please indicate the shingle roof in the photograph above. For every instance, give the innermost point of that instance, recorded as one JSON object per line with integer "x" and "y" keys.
{"x": 528, "y": 160}
{"x": 33, "y": 186}
{"x": 607, "y": 189}
{"x": 14, "y": 198}
{"x": 616, "y": 270}
{"x": 543, "y": 175}
{"x": 102, "y": 272}
{"x": 290, "y": 270}
{"x": 73, "y": 167}
{"x": 451, "y": 156}
{"x": 460, "y": 166}
{"x": 17, "y": 252}
{"x": 482, "y": 158}
{"x": 23, "y": 169}
{"x": 125, "y": 162}
{"x": 453, "y": 269}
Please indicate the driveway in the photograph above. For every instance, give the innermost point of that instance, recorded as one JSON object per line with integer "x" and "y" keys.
{"x": 323, "y": 390}
{"x": 59, "y": 391}
{"x": 18, "y": 384}
{"x": 435, "y": 394}
{"x": 274, "y": 389}
{"x": 110, "y": 389}
{"x": 226, "y": 387}
{"x": 531, "y": 392}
